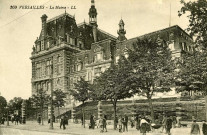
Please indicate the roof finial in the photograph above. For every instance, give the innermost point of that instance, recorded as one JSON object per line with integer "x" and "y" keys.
{"x": 92, "y": 3}
{"x": 65, "y": 11}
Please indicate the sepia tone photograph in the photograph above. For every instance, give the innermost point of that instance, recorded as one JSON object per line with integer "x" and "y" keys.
{"x": 92, "y": 67}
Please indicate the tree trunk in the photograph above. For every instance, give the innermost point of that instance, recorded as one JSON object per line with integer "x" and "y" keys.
{"x": 83, "y": 115}
{"x": 58, "y": 111}
{"x": 115, "y": 115}
{"x": 151, "y": 108}
{"x": 42, "y": 114}
{"x": 206, "y": 105}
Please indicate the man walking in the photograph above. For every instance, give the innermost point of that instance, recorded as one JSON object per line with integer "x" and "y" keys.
{"x": 204, "y": 128}
{"x": 195, "y": 130}
{"x": 125, "y": 123}
{"x": 169, "y": 122}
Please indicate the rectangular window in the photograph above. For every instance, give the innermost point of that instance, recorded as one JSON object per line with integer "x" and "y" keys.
{"x": 99, "y": 56}
{"x": 38, "y": 48}
{"x": 68, "y": 39}
{"x": 42, "y": 45}
{"x": 97, "y": 71}
{"x": 48, "y": 44}
{"x": 171, "y": 46}
{"x": 71, "y": 41}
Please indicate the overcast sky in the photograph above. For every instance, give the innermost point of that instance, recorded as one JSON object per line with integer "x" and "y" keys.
{"x": 20, "y": 27}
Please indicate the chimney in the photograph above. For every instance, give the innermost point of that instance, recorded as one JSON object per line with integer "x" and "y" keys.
{"x": 95, "y": 32}
{"x": 44, "y": 22}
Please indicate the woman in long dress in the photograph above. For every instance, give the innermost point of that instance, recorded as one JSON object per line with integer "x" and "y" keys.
{"x": 143, "y": 126}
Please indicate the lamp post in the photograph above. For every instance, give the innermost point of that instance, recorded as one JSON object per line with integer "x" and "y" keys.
{"x": 7, "y": 117}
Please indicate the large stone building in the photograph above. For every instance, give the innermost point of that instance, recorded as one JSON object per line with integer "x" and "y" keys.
{"x": 65, "y": 51}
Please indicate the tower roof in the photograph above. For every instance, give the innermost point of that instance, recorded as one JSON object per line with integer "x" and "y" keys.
{"x": 121, "y": 22}
{"x": 92, "y": 10}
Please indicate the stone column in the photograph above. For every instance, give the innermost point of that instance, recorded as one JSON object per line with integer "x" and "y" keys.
{"x": 100, "y": 113}
{"x": 73, "y": 113}
{"x": 23, "y": 112}
{"x": 178, "y": 111}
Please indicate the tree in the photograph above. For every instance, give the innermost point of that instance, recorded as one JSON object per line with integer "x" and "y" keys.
{"x": 3, "y": 104}
{"x": 15, "y": 104}
{"x": 197, "y": 19}
{"x": 59, "y": 99}
{"x": 111, "y": 84}
{"x": 40, "y": 100}
{"x": 152, "y": 69}
{"x": 192, "y": 74}
{"x": 80, "y": 92}
{"x": 30, "y": 110}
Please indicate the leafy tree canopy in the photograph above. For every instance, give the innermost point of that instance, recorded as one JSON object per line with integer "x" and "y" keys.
{"x": 81, "y": 90}
{"x": 197, "y": 14}
{"x": 59, "y": 98}
{"x": 192, "y": 75}
{"x": 152, "y": 68}
{"x": 3, "y": 104}
{"x": 15, "y": 103}
{"x": 111, "y": 84}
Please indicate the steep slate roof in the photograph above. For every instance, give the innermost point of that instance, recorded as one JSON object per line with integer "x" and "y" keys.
{"x": 163, "y": 34}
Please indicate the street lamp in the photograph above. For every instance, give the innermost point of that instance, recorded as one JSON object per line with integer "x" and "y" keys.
{"x": 7, "y": 109}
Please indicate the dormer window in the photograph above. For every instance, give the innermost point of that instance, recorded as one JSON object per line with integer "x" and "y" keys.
{"x": 71, "y": 28}
{"x": 171, "y": 46}
{"x": 38, "y": 48}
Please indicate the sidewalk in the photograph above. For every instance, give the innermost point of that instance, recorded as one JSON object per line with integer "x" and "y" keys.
{"x": 77, "y": 129}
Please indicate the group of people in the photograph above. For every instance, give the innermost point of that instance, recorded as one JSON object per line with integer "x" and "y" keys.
{"x": 100, "y": 123}
{"x": 13, "y": 118}
{"x": 195, "y": 129}
{"x": 122, "y": 122}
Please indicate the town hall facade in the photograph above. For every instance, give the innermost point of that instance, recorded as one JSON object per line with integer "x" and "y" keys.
{"x": 65, "y": 51}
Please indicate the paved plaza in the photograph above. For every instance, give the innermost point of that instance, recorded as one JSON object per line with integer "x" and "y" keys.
{"x": 32, "y": 128}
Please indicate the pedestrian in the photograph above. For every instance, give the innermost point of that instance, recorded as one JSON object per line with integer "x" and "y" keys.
{"x": 39, "y": 119}
{"x": 169, "y": 122}
{"x": 120, "y": 123}
{"x": 101, "y": 123}
{"x": 61, "y": 121}
{"x": 16, "y": 119}
{"x": 104, "y": 123}
{"x": 12, "y": 118}
{"x": 92, "y": 122}
{"x": 125, "y": 123}
{"x": 204, "y": 128}
{"x": 143, "y": 126}
{"x": 164, "y": 123}
{"x": 132, "y": 121}
{"x": 2, "y": 120}
{"x": 148, "y": 123}
{"x": 82, "y": 120}
{"x": 195, "y": 130}
{"x": 174, "y": 121}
